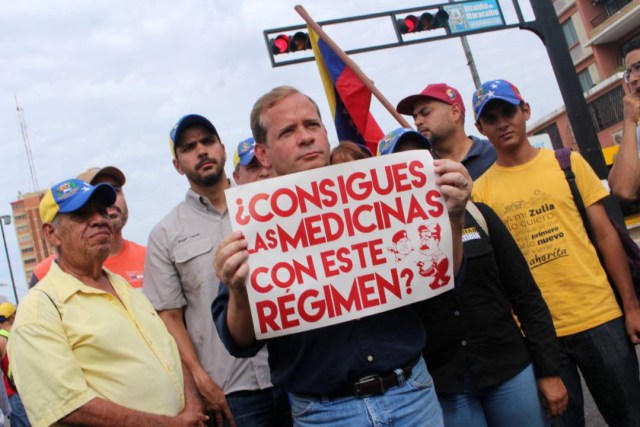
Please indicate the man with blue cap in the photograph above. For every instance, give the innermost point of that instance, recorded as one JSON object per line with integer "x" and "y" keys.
{"x": 494, "y": 377}
{"x": 529, "y": 191}
{"x": 180, "y": 282}
{"x": 86, "y": 347}
{"x": 247, "y": 168}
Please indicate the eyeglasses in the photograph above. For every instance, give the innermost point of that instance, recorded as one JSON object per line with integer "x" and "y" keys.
{"x": 633, "y": 69}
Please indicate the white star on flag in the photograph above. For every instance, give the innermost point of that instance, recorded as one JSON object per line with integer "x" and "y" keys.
{"x": 490, "y": 93}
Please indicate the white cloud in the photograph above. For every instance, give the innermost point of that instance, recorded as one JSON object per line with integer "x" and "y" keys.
{"x": 102, "y": 82}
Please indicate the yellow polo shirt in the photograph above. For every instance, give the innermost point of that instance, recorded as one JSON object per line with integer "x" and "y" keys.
{"x": 92, "y": 345}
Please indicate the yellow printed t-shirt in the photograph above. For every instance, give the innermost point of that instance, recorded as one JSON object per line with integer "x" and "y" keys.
{"x": 120, "y": 351}
{"x": 535, "y": 203}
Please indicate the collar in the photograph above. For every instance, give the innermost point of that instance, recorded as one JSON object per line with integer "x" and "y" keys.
{"x": 201, "y": 203}
{"x": 67, "y": 285}
{"x": 475, "y": 149}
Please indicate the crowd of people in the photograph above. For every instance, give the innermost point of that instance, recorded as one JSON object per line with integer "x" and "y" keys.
{"x": 113, "y": 333}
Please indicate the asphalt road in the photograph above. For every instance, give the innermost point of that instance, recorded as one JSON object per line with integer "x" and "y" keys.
{"x": 591, "y": 414}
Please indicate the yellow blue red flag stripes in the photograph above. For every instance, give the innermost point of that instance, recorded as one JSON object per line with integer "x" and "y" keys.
{"x": 349, "y": 99}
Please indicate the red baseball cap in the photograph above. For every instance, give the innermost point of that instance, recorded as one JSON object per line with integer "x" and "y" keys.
{"x": 439, "y": 91}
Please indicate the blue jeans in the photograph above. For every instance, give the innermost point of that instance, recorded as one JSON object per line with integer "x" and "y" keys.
{"x": 260, "y": 408}
{"x": 412, "y": 403}
{"x": 18, "y": 417}
{"x": 608, "y": 362}
{"x": 514, "y": 402}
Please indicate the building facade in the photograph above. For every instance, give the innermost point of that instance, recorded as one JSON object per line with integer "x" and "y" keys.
{"x": 26, "y": 219}
{"x": 596, "y": 31}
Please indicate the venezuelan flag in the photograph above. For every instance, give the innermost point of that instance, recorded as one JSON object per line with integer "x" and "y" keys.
{"x": 349, "y": 99}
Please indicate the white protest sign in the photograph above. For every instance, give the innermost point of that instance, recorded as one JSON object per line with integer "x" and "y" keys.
{"x": 343, "y": 242}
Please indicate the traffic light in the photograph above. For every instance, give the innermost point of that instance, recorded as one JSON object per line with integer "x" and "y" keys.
{"x": 427, "y": 21}
{"x": 284, "y": 44}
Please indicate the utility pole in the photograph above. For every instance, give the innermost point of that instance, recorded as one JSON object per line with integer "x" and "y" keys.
{"x": 547, "y": 27}
{"x": 27, "y": 146}
{"x": 6, "y": 219}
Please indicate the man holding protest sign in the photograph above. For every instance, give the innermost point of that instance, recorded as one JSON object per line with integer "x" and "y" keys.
{"x": 181, "y": 284}
{"x": 347, "y": 373}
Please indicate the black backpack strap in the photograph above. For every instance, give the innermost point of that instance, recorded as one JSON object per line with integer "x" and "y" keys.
{"x": 563, "y": 155}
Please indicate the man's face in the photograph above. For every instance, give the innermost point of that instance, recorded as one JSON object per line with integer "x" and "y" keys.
{"x": 200, "y": 156}
{"x": 84, "y": 234}
{"x": 118, "y": 212}
{"x": 254, "y": 171}
{"x": 633, "y": 58}
{"x": 296, "y": 138}
{"x": 433, "y": 119}
{"x": 504, "y": 124}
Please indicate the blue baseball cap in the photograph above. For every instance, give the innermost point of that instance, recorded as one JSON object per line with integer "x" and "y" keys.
{"x": 185, "y": 122}
{"x": 71, "y": 195}
{"x": 492, "y": 90}
{"x": 244, "y": 153}
{"x": 387, "y": 145}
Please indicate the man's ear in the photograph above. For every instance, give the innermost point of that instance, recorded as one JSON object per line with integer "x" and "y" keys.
{"x": 50, "y": 233}
{"x": 526, "y": 109}
{"x": 176, "y": 164}
{"x": 456, "y": 113}
{"x": 479, "y": 127}
{"x": 260, "y": 151}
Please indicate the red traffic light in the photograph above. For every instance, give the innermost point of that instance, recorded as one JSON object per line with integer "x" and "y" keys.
{"x": 409, "y": 24}
{"x": 427, "y": 21}
{"x": 280, "y": 44}
{"x": 284, "y": 44}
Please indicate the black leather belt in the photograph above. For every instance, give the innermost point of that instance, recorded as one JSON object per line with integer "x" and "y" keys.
{"x": 375, "y": 385}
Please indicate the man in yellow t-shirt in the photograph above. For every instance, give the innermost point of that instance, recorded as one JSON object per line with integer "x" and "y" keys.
{"x": 528, "y": 190}
{"x": 86, "y": 348}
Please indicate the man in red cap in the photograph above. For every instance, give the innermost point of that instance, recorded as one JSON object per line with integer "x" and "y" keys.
{"x": 126, "y": 257}
{"x": 438, "y": 113}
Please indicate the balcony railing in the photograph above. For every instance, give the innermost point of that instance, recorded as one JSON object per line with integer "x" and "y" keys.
{"x": 611, "y": 8}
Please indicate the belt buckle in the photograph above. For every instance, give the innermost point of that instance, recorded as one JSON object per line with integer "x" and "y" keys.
{"x": 366, "y": 382}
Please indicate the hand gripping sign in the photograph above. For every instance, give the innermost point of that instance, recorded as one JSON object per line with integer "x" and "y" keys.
{"x": 343, "y": 242}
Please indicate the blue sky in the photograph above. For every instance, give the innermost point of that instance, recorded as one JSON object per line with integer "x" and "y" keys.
{"x": 102, "y": 83}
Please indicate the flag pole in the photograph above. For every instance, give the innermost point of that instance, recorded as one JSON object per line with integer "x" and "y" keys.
{"x": 351, "y": 64}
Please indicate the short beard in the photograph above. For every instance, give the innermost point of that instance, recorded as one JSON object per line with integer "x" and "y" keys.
{"x": 210, "y": 180}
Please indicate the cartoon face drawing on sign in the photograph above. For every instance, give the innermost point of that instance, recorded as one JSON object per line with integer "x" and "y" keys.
{"x": 434, "y": 263}
{"x": 401, "y": 245}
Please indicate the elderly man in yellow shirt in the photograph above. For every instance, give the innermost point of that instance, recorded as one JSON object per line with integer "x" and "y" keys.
{"x": 86, "y": 349}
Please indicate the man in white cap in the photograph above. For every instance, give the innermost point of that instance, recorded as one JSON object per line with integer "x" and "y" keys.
{"x": 86, "y": 348}
{"x": 126, "y": 257}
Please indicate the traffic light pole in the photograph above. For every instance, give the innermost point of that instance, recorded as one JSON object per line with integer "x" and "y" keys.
{"x": 547, "y": 27}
